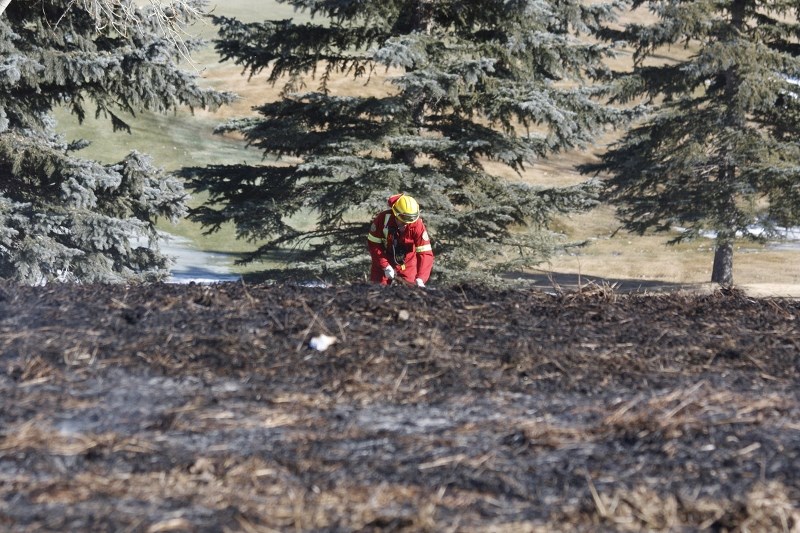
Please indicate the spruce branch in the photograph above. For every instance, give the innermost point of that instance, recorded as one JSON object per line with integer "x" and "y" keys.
{"x": 170, "y": 17}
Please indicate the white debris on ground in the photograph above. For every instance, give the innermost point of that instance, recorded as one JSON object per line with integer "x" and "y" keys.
{"x": 321, "y": 342}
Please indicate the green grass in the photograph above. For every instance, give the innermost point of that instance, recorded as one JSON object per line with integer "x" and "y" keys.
{"x": 172, "y": 142}
{"x": 179, "y": 139}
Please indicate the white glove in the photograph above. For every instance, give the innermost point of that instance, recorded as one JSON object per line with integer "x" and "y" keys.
{"x": 389, "y": 272}
{"x": 420, "y": 283}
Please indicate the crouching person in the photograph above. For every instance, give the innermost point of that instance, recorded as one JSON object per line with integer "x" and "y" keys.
{"x": 399, "y": 244}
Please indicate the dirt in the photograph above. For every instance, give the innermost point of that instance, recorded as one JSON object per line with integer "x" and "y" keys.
{"x": 203, "y": 408}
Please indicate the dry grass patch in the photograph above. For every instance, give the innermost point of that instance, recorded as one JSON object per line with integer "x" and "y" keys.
{"x": 38, "y": 434}
{"x": 766, "y": 507}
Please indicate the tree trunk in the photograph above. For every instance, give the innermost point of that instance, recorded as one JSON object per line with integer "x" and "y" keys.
{"x": 420, "y": 20}
{"x": 722, "y": 271}
{"x": 4, "y": 5}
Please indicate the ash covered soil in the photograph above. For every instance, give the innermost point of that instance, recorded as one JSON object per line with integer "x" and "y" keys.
{"x": 202, "y": 408}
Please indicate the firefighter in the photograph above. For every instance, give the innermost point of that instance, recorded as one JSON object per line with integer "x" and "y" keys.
{"x": 399, "y": 244}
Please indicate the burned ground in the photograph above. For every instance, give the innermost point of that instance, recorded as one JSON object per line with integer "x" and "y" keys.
{"x": 203, "y": 408}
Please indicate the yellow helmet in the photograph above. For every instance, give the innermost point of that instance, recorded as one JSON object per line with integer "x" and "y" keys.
{"x": 406, "y": 209}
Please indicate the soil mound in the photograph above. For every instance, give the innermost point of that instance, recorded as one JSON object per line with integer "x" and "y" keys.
{"x": 359, "y": 408}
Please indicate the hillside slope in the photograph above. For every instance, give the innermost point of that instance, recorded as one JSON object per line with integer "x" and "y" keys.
{"x": 200, "y": 408}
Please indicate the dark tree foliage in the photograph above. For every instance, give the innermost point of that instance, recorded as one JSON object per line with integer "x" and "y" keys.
{"x": 67, "y": 218}
{"x": 720, "y": 153}
{"x": 471, "y": 81}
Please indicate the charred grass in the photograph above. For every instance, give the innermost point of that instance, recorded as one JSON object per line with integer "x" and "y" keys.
{"x": 203, "y": 408}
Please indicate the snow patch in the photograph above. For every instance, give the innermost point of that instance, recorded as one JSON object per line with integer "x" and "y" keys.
{"x": 192, "y": 265}
{"x": 789, "y": 237}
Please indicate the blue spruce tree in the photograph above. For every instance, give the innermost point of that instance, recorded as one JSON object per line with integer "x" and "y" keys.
{"x": 720, "y": 151}
{"x": 471, "y": 82}
{"x": 67, "y": 218}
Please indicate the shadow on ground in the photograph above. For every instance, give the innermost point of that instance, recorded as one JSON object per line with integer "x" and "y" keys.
{"x": 563, "y": 281}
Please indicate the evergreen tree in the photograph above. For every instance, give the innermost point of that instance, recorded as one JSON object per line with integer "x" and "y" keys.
{"x": 63, "y": 217}
{"x": 720, "y": 152}
{"x": 471, "y": 81}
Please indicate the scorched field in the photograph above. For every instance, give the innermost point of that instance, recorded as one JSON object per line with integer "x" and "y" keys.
{"x": 228, "y": 407}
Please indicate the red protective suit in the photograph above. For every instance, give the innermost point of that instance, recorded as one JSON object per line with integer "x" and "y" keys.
{"x": 407, "y": 248}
